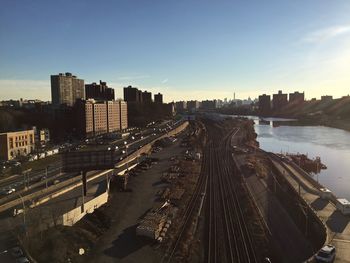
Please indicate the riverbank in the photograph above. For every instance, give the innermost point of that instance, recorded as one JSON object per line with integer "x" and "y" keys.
{"x": 314, "y": 120}
{"x": 343, "y": 124}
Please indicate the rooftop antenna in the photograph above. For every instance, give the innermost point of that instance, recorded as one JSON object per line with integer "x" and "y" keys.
{"x": 234, "y": 95}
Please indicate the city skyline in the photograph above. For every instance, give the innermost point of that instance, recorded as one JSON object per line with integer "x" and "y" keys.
{"x": 183, "y": 50}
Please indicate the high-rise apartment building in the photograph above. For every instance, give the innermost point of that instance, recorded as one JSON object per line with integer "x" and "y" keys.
{"x": 279, "y": 100}
{"x": 146, "y": 97}
{"x": 264, "y": 104}
{"x": 99, "y": 91}
{"x": 100, "y": 114}
{"x": 158, "y": 98}
{"x": 296, "y": 97}
{"x": 66, "y": 89}
{"x": 123, "y": 109}
{"x": 113, "y": 116}
{"x": 132, "y": 94}
{"x": 100, "y": 117}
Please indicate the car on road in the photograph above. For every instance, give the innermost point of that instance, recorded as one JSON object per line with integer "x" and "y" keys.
{"x": 326, "y": 254}
{"x": 7, "y": 191}
{"x": 16, "y": 252}
{"x": 17, "y": 212}
{"x": 56, "y": 181}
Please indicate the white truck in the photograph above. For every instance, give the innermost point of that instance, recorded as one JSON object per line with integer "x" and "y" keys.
{"x": 343, "y": 205}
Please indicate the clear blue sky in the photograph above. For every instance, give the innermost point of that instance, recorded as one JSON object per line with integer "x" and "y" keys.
{"x": 184, "y": 49}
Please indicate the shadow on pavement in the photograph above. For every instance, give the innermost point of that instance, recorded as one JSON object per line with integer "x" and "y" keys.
{"x": 319, "y": 204}
{"x": 126, "y": 243}
{"x": 337, "y": 222}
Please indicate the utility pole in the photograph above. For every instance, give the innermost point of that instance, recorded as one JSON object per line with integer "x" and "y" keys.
{"x": 83, "y": 190}
{"x": 24, "y": 213}
{"x": 46, "y": 175}
{"x": 25, "y": 177}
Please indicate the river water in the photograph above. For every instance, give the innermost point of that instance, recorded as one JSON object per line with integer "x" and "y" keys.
{"x": 332, "y": 145}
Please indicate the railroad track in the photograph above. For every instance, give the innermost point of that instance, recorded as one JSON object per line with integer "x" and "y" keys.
{"x": 191, "y": 209}
{"x": 228, "y": 237}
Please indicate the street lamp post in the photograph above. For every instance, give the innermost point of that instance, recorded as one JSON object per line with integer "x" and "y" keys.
{"x": 24, "y": 212}
{"x": 126, "y": 152}
{"x": 127, "y": 165}
{"x": 46, "y": 175}
{"x": 82, "y": 191}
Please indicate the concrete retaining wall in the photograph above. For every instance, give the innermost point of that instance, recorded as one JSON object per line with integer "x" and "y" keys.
{"x": 73, "y": 216}
{"x": 317, "y": 231}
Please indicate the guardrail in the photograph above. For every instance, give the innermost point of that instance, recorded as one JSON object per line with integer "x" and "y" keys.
{"x": 9, "y": 178}
{"x": 31, "y": 196}
{"x": 9, "y": 197}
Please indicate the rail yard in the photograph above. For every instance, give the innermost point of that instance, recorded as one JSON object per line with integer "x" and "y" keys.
{"x": 203, "y": 193}
{"x": 245, "y": 208}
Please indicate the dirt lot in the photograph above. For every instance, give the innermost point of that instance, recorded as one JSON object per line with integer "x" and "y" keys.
{"x": 108, "y": 235}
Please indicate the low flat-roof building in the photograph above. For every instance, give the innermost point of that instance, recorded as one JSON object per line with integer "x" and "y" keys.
{"x": 326, "y": 98}
{"x": 15, "y": 144}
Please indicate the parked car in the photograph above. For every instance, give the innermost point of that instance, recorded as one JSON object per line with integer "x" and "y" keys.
{"x": 326, "y": 254}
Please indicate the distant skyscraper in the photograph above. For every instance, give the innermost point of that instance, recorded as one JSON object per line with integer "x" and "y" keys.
{"x": 99, "y": 91}
{"x": 158, "y": 98}
{"x": 66, "y": 89}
